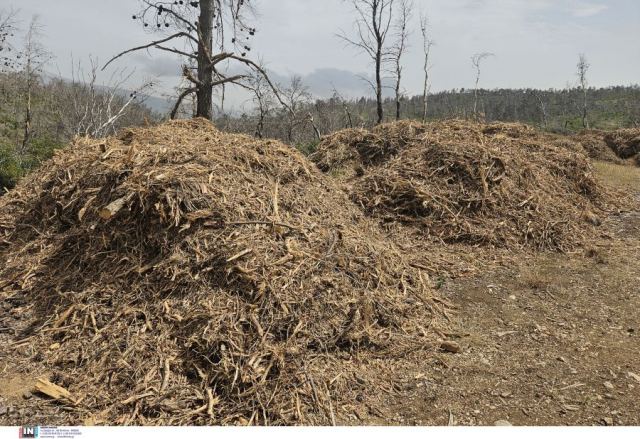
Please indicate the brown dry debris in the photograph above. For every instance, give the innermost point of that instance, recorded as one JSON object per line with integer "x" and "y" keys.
{"x": 179, "y": 275}
{"x": 619, "y": 146}
{"x": 595, "y": 147}
{"x": 501, "y": 184}
{"x": 625, "y": 143}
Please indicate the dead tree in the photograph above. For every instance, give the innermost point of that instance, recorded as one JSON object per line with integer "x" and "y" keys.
{"x": 543, "y": 107}
{"x": 34, "y": 58}
{"x": 476, "y": 60}
{"x": 345, "y": 107}
{"x": 262, "y": 99}
{"x": 316, "y": 131}
{"x": 372, "y": 23}
{"x": 97, "y": 108}
{"x": 583, "y": 67}
{"x": 200, "y": 32}
{"x": 8, "y": 56}
{"x": 296, "y": 96}
{"x": 399, "y": 48}
{"x": 427, "y": 43}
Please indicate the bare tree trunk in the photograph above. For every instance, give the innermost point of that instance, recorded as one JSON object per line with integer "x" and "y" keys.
{"x": 476, "y": 59}
{"x": 400, "y": 46}
{"x": 425, "y": 97}
{"x": 316, "y": 131}
{"x": 373, "y": 23}
{"x": 260, "y": 126}
{"x": 585, "y": 121}
{"x": 475, "y": 96}
{"x": 204, "y": 90}
{"x": 399, "y": 76}
{"x": 543, "y": 109}
{"x": 33, "y": 54}
{"x": 379, "y": 110}
{"x": 27, "y": 118}
{"x": 348, "y": 113}
{"x": 426, "y": 46}
{"x": 583, "y": 68}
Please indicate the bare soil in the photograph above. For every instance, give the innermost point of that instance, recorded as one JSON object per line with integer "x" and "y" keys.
{"x": 552, "y": 340}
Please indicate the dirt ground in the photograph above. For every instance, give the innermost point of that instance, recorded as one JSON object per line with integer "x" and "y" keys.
{"x": 551, "y": 340}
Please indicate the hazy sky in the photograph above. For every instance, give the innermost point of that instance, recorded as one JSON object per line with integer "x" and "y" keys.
{"x": 536, "y": 42}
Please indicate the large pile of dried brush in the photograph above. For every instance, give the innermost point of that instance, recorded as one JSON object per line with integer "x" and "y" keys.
{"x": 457, "y": 181}
{"x": 625, "y": 143}
{"x": 179, "y": 275}
{"x": 620, "y": 146}
{"x": 595, "y": 146}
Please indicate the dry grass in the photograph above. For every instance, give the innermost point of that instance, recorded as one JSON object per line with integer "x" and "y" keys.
{"x": 619, "y": 176}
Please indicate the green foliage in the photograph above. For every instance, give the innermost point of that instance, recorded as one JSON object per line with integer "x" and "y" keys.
{"x": 10, "y": 169}
{"x": 308, "y": 147}
{"x": 15, "y": 164}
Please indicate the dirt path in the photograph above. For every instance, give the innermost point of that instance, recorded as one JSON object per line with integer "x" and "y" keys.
{"x": 553, "y": 340}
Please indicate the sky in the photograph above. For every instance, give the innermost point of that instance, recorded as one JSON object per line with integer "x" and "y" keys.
{"x": 536, "y": 42}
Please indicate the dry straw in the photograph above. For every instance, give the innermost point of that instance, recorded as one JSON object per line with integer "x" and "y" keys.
{"x": 186, "y": 276}
{"x": 460, "y": 182}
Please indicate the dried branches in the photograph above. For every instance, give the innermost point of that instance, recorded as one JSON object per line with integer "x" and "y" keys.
{"x": 97, "y": 109}
{"x": 459, "y": 182}
{"x": 195, "y": 277}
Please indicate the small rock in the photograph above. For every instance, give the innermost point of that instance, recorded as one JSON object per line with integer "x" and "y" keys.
{"x": 3, "y": 410}
{"x": 608, "y": 421}
{"x": 27, "y": 395}
{"x": 54, "y": 346}
{"x": 512, "y": 297}
{"x": 451, "y": 346}
{"x": 502, "y": 423}
{"x": 608, "y": 385}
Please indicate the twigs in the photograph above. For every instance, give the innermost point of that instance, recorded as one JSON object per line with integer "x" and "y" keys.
{"x": 151, "y": 44}
{"x": 225, "y": 272}
{"x": 462, "y": 182}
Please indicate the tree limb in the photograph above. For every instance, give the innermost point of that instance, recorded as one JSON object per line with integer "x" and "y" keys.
{"x": 147, "y": 46}
{"x": 183, "y": 95}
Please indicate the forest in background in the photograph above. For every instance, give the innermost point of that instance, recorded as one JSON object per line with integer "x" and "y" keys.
{"x": 551, "y": 110}
{"x": 62, "y": 109}
{"x": 40, "y": 112}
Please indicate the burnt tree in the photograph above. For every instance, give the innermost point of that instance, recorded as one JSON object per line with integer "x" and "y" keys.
{"x": 208, "y": 35}
{"x": 583, "y": 67}
{"x": 399, "y": 48}
{"x": 427, "y": 43}
{"x": 372, "y": 24}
